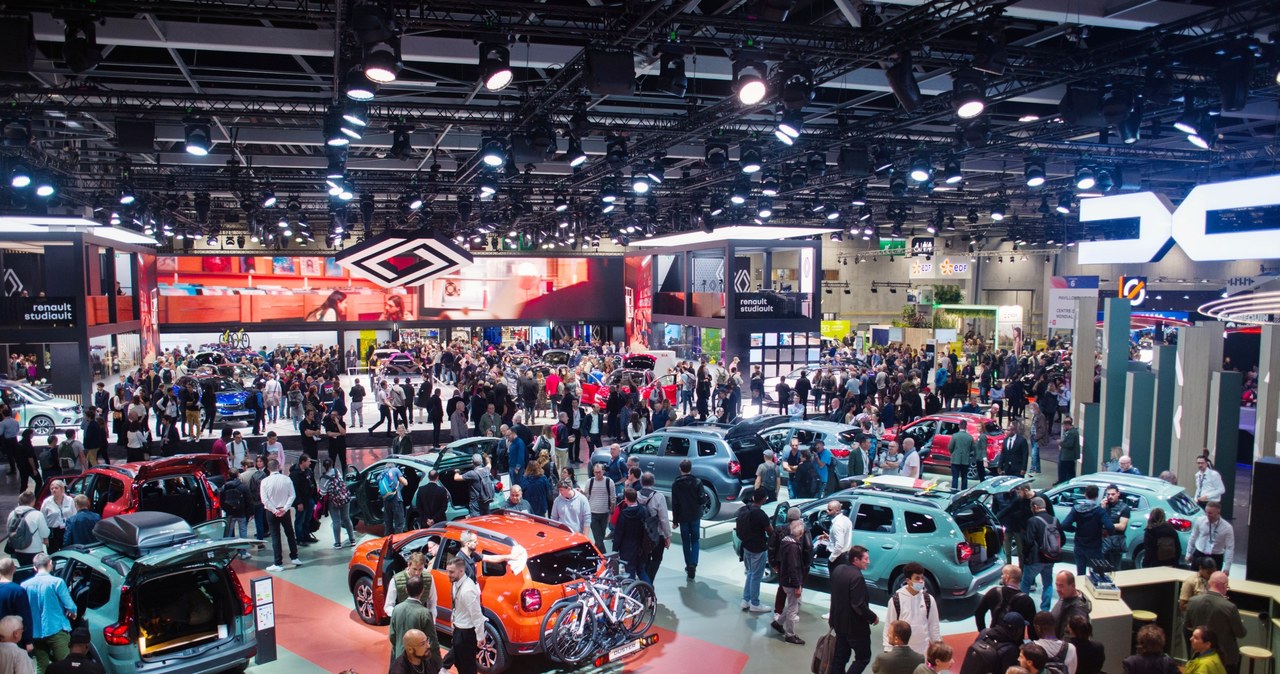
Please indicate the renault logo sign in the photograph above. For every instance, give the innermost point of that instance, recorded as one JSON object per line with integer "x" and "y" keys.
{"x": 1161, "y": 225}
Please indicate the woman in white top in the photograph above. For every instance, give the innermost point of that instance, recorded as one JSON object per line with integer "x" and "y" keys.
{"x": 635, "y": 427}
{"x": 57, "y": 508}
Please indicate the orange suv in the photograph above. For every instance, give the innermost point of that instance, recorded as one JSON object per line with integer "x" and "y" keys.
{"x": 513, "y": 603}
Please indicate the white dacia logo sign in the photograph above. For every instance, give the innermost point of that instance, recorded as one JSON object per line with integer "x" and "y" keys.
{"x": 1161, "y": 224}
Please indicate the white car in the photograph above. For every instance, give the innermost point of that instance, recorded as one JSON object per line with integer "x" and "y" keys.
{"x": 38, "y": 410}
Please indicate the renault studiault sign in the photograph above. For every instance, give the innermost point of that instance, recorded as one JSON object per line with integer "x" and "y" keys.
{"x": 1160, "y": 224}
{"x": 38, "y": 312}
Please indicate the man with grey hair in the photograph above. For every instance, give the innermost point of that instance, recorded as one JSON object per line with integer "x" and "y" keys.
{"x": 768, "y": 477}
{"x": 480, "y": 483}
{"x": 13, "y": 658}
{"x": 791, "y": 569}
{"x": 51, "y": 612}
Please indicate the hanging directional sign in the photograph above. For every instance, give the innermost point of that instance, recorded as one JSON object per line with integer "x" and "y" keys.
{"x": 398, "y": 258}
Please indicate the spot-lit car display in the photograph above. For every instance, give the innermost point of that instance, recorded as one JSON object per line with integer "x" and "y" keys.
{"x": 932, "y": 433}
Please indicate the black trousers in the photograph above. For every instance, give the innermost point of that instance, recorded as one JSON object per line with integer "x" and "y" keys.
{"x": 1066, "y": 471}
{"x": 384, "y": 414}
{"x": 655, "y": 560}
{"x": 210, "y": 414}
{"x": 277, "y": 523}
{"x": 465, "y": 649}
{"x": 858, "y": 645}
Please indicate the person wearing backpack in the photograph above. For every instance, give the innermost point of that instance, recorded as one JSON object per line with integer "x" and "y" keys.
{"x": 1061, "y": 654}
{"x": 996, "y": 648}
{"x": 480, "y": 481}
{"x": 27, "y": 529}
{"x": 629, "y": 536}
{"x": 1003, "y": 598}
{"x": 602, "y": 497}
{"x": 915, "y": 606}
{"x": 657, "y": 525}
{"x": 338, "y": 498}
{"x": 1041, "y": 550}
{"x": 754, "y": 530}
{"x": 390, "y": 483}
{"x": 1071, "y": 602}
{"x": 236, "y": 505}
{"x": 686, "y": 506}
{"x": 808, "y": 481}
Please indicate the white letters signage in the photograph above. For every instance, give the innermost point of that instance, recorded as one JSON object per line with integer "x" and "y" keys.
{"x": 1160, "y": 224}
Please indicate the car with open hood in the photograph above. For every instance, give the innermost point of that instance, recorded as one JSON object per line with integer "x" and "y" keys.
{"x": 41, "y": 412}
{"x": 185, "y": 485}
{"x": 724, "y": 457}
{"x": 644, "y": 380}
{"x": 160, "y": 596}
{"x": 956, "y": 536}
{"x": 366, "y": 499}
{"x": 515, "y": 595}
{"x": 932, "y": 433}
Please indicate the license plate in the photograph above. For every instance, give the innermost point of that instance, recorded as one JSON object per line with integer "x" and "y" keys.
{"x": 625, "y": 650}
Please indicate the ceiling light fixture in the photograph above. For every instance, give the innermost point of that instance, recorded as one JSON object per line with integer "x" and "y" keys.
{"x": 1034, "y": 172}
{"x": 1204, "y": 134}
{"x": 968, "y": 93}
{"x": 574, "y": 154}
{"x": 921, "y": 167}
{"x": 952, "y": 172}
{"x": 750, "y": 76}
{"x": 1085, "y": 178}
{"x": 751, "y": 160}
{"x": 197, "y": 136}
{"x": 671, "y": 75}
{"x": 382, "y": 61}
{"x": 789, "y": 126}
{"x": 495, "y": 66}
{"x": 493, "y": 153}
{"x": 357, "y": 87}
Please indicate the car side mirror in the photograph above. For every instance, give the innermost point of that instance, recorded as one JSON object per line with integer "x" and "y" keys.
{"x": 493, "y": 569}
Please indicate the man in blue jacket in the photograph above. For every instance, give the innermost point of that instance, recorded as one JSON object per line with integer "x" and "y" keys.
{"x": 1091, "y": 524}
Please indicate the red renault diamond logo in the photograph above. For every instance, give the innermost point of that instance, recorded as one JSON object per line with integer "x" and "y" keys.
{"x": 400, "y": 258}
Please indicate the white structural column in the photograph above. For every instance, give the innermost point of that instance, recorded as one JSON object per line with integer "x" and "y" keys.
{"x": 1266, "y": 434}
{"x": 1199, "y": 356}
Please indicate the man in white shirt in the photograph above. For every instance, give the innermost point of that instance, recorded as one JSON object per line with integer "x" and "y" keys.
{"x": 913, "y": 605}
{"x": 278, "y": 496}
{"x": 274, "y": 449}
{"x": 1213, "y": 537}
{"x": 911, "y": 463}
{"x": 468, "y": 619}
{"x": 1209, "y": 486}
{"x": 840, "y": 537}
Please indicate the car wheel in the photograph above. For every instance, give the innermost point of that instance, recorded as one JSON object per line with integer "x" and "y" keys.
{"x": 1139, "y": 556}
{"x": 41, "y": 425}
{"x": 710, "y": 501}
{"x": 492, "y": 658}
{"x": 363, "y": 595}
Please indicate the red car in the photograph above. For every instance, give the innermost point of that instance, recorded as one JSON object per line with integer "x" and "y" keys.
{"x": 184, "y": 485}
{"x": 598, "y": 395}
{"x": 935, "y": 430}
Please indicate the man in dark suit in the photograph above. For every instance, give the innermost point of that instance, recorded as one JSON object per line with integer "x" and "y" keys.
{"x": 170, "y": 440}
{"x": 1013, "y": 452}
{"x": 432, "y": 501}
{"x": 1215, "y": 611}
{"x": 851, "y": 616}
{"x": 860, "y": 457}
{"x": 899, "y": 659}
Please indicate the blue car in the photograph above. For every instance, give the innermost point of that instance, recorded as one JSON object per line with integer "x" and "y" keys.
{"x": 230, "y": 394}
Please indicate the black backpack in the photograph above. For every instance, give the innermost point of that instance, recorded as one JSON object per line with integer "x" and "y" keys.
{"x": 1050, "y": 540}
{"x": 1058, "y": 663}
{"x": 234, "y": 499}
{"x": 1006, "y": 601}
{"x": 986, "y": 655}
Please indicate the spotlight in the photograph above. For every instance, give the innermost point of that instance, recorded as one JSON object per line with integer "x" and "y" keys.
{"x": 81, "y": 50}
{"x": 997, "y": 211}
{"x": 790, "y": 126}
{"x": 20, "y": 176}
{"x": 356, "y": 114}
{"x": 196, "y": 132}
{"x": 750, "y": 75}
{"x": 750, "y": 160}
{"x": 1116, "y": 104}
{"x": 898, "y": 185}
{"x": 902, "y": 80}
{"x": 357, "y": 87}
{"x": 859, "y": 196}
{"x": 488, "y": 185}
{"x": 561, "y": 202}
{"x": 1131, "y": 126}
{"x": 609, "y": 191}
{"x": 44, "y": 186}
{"x": 574, "y": 154}
{"x": 639, "y": 182}
{"x": 1189, "y": 121}
{"x": 657, "y": 171}
{"x": 738, "y": 193}
{"x": 334, "y": 135}
{"x": 769, "y": 185}
{"x": 268, "y": 198}
{"x": 1064, "y": 203}
{"x": 495, "y": 66}
{"x": 493, "y": 153}
{"x": 413, "y": 199}
{"x": 1106, "y": 179}
{"x": 972, "y": 216}
{"x": 764, "y": 207}
{"x": 952, "y": 171}
{"x": 716, "y": 155}
{"x": 716, "y": 207}
{"x": 401, "y": 144}
{"x": 17, "y": 132}
{"x": 968, "y": 94}
{"x": 797, "y": 86}
{"x": 1034, "y": 172}
{"x": 921, "y": 168}
{"x": 127, "y": 196}
{"x": 671, "y": 75}
{"x": 816, "y": 163}
{"x": 1085, "y": 178}
{"x": 382, "y": 62}
{"x": 1204, "y": 134}
{"x": 833, "y": 210}
{"x": 615, "y": 151}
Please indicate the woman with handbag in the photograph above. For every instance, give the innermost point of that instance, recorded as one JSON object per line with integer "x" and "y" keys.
{"x": 138, "y": 442}
{"x": 338, "y": 498}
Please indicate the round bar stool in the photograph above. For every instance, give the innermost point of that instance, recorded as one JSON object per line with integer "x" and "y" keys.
{"x": 1254, "y": 653}
{"x": 1140, "y": 619}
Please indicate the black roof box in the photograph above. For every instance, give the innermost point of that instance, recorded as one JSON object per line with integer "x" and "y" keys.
{"x": 137, "y": 534}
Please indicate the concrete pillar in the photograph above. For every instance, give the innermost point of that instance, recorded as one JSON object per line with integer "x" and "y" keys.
{"x": 1199, "y": 355}
{"x": 1084, "y": 346}
{"x": 1138, "y": 410}
{"x": 1224, "y": 425}
{"x": 1164, "y": 360}
{"x": 1265, "y": 437}
{"x": 1088, "y": 424}
{"x": 1115, "y": 375}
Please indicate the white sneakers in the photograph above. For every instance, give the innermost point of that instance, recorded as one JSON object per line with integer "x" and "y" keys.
{"x": 295, "y": 561}
{"x": 760, "y": 609}
{"x": 274, "y": 568}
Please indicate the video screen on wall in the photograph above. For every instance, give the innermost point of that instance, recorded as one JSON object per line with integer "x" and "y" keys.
{"x": 256, "y": 290}
{"x": 638, "y": 292}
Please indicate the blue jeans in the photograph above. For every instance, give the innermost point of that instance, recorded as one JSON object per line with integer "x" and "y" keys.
{"x": 959, "y": 476}
{"x": 754, "y": 562}
{"x": 1035, "y": 456}
{"x": 302, "y": 520}
{"x": 393, "y": 514}
{"x": 686, "y": 401}
{"x": 1087, "y": 557}
{"x": 638, "y": 571}
{"x": 1045, "y": 573}
{"x": 237, "y": 527}
{"x": 690, "y": 540}
{"x": 260, "y": 523}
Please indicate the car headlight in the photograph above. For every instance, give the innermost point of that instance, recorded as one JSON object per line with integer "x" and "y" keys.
{"x": 69, "y": 410}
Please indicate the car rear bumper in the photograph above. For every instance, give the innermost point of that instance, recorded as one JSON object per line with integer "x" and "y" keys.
{"x": 983, "y": 578}
{"x": 225, "y": 656}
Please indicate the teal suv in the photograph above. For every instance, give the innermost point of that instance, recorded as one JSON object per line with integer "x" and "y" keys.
{"x": 160, "y": 596}
{"x": 956, "y": 536}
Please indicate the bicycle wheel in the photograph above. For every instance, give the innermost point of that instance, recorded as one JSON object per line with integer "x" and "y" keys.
{"x": 549, "y": 622}
{"x": 637, "y": 618}
{"x": 573, "y": 637}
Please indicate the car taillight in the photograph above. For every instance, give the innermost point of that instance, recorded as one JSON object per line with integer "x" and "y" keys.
{"x": 118, "y": 633}
{"x": 1180, "y": 524}
{"x": 531, "y": 601}
{"x": 735, "y": 468}
{"x": 963, "y": 552}
{"x": 246, "y": 604}
{"x": 840, "y": 452}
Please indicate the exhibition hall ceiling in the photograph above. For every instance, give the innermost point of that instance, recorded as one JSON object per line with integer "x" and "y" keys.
{"x": 563, "y": 123}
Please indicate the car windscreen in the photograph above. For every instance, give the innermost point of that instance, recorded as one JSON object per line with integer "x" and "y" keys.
{"x": 557, "y": 567}
{"x": 1183, "y": 505}
{"x": 32, "y": 393}
{"x": 555, "y": 358}
{"x": 223, "y": 385}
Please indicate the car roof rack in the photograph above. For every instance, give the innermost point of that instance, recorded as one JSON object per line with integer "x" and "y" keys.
{"x": 139, "y": 533}
{"x": 547, "y": 521}
{"x": 485, "y": 533}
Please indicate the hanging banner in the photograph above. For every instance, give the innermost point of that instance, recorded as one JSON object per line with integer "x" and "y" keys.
{"x": 1063, "y": 293}
{"x": 1009, "y": 331}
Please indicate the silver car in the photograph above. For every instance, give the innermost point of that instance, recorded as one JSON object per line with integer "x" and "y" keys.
{"x": 839, "y": 438}
{"x": 38, "y": 410}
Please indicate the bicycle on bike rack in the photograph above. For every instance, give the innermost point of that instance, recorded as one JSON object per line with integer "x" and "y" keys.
{"x": 607, "y": 617}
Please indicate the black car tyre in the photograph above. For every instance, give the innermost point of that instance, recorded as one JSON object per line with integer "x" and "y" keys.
{"x": 491, "y": 656}
{"x": 41, "y": 425}
{"x": 362, "y": 593}
{"x": 710, "y": 501}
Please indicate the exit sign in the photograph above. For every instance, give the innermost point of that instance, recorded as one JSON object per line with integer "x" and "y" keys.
{"x": 892, "y": 245}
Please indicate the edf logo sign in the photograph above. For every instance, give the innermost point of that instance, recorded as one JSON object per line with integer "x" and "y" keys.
{"x": 1161, "y": 225}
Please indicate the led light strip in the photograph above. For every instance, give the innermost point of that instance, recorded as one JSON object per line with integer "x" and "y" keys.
{"x": 1244, "y": 308}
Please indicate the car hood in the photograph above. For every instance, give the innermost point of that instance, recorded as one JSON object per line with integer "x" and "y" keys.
{"x": 639, "y": 362}
{"x": 1001, "y": 484}
{"x": 755, "y": 425}
{"x": 232, "y": 399}
{"x": 183, "y": 462}
{"x": 220, "y": 552}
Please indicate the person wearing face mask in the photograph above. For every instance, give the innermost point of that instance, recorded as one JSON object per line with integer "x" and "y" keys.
{"x": 914, "y": 605}
{"x": 938, "y": 660}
